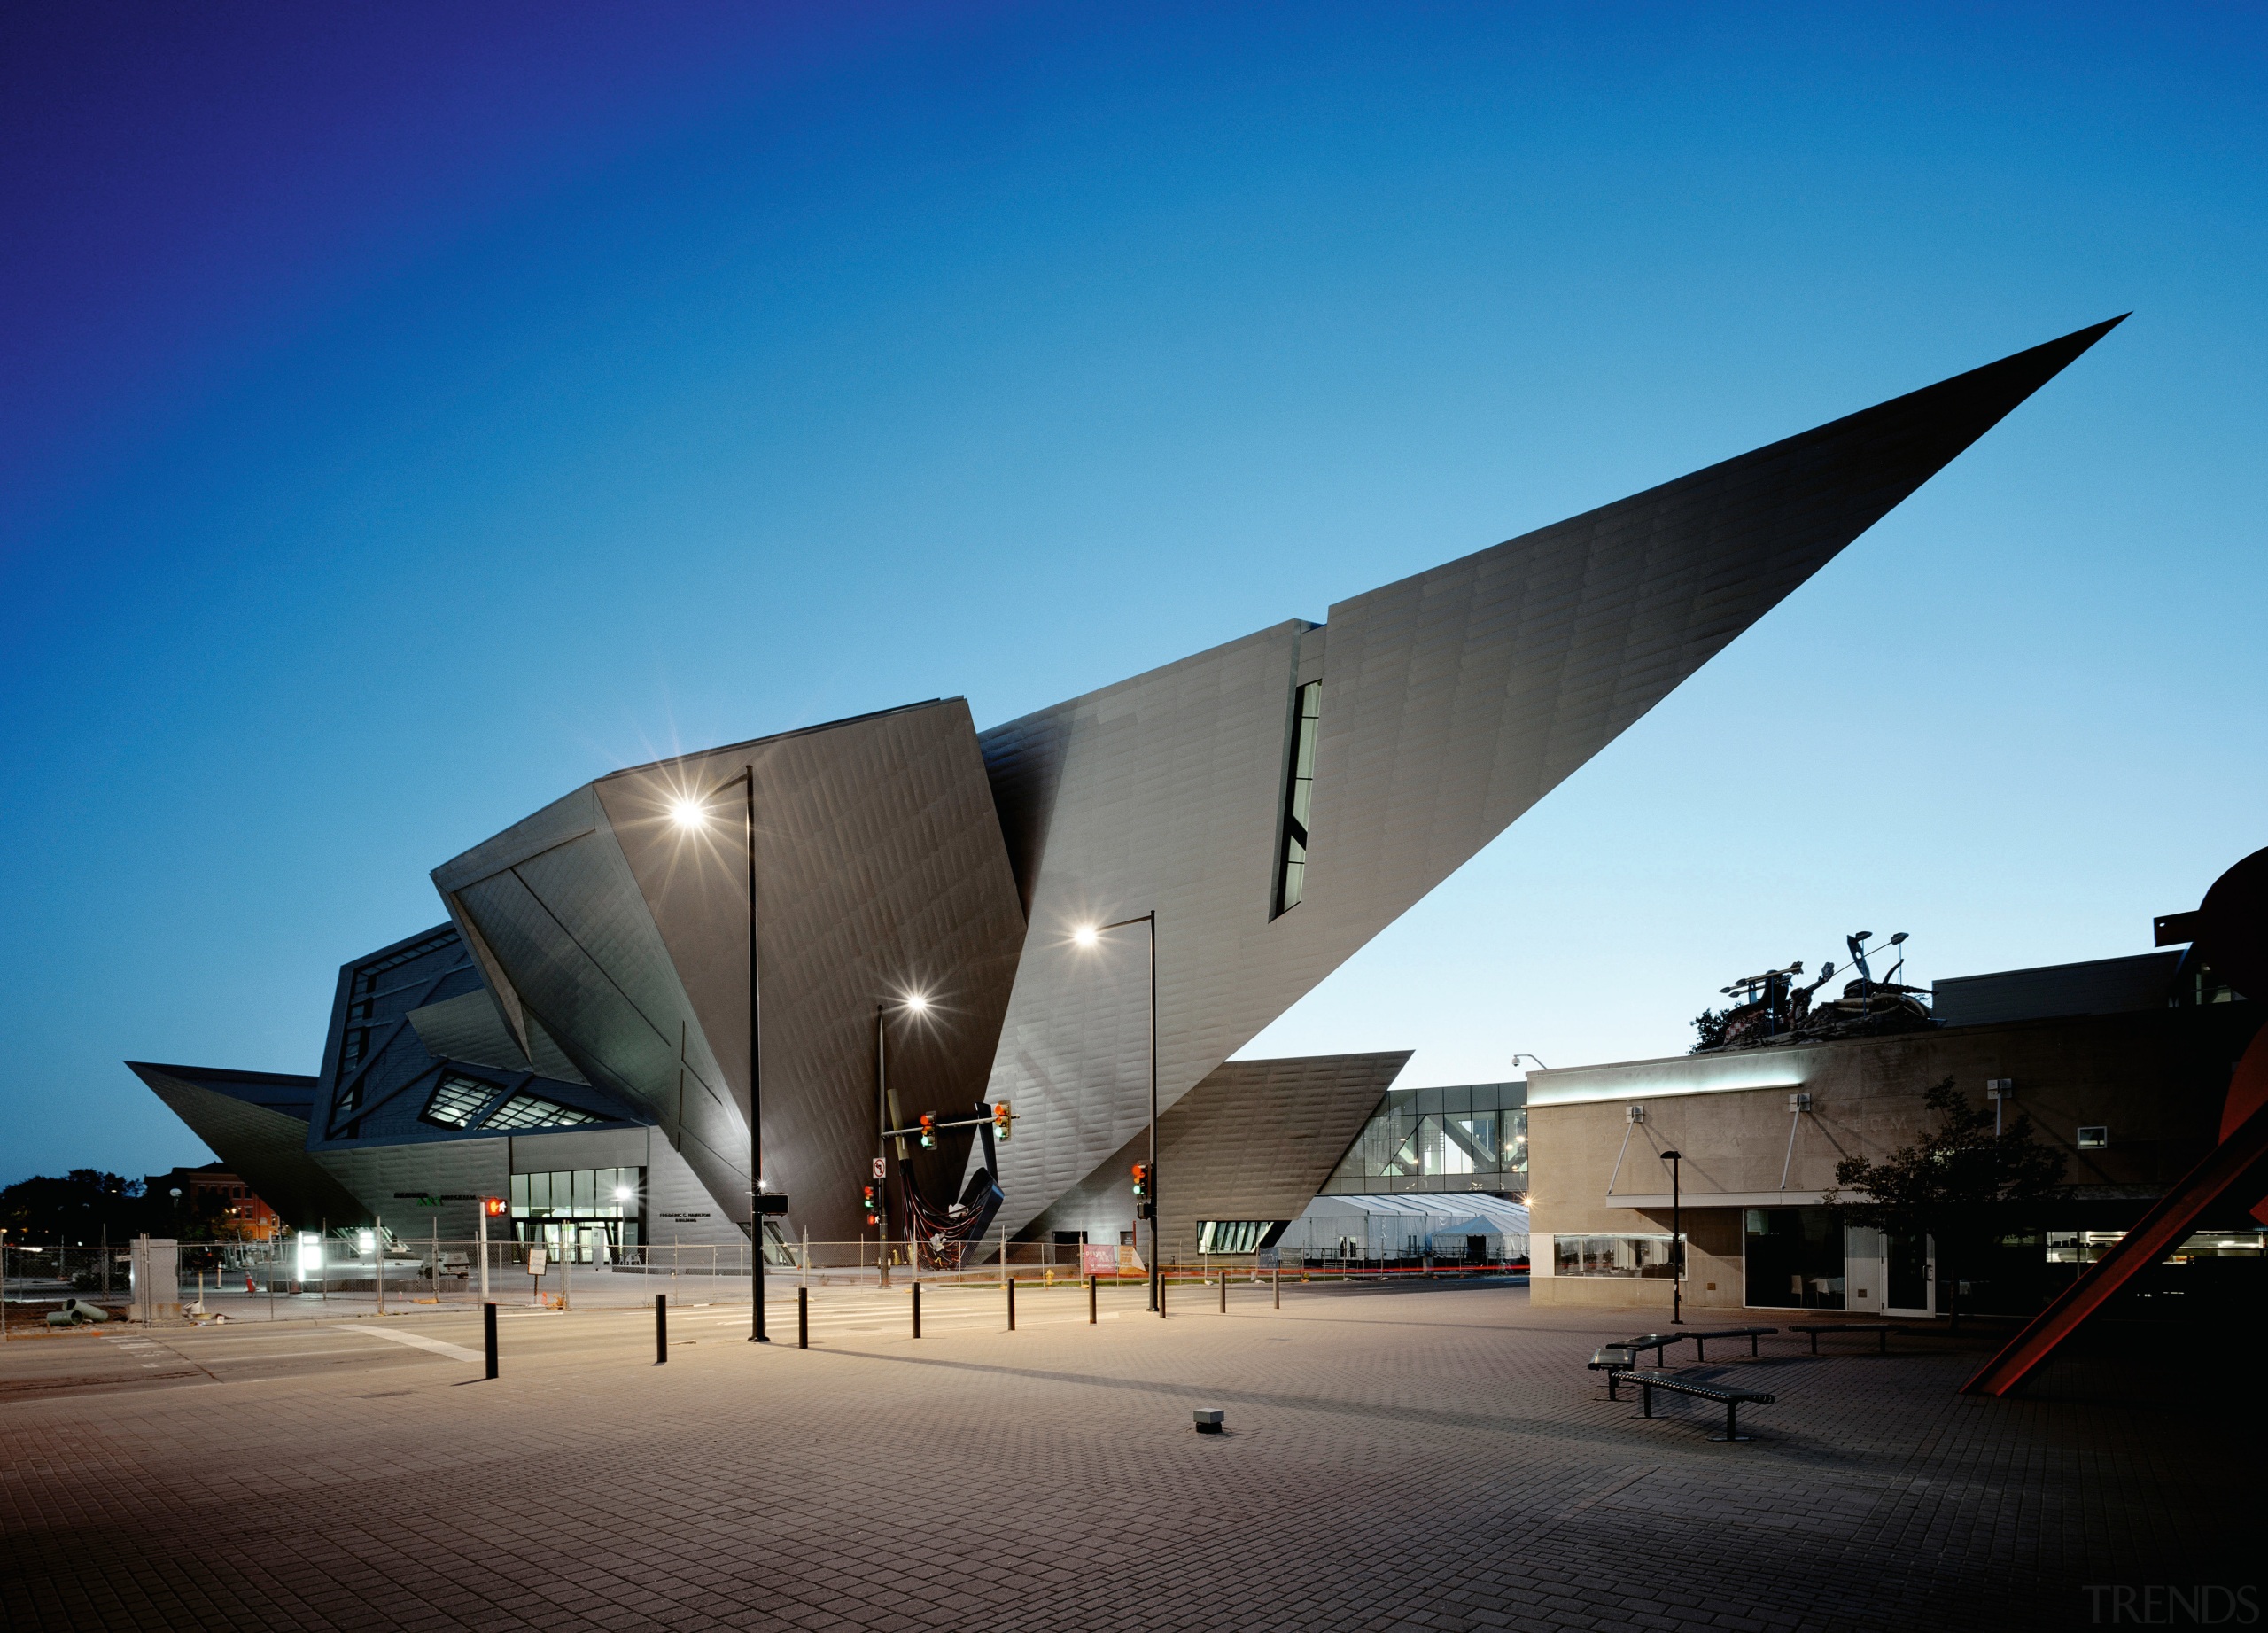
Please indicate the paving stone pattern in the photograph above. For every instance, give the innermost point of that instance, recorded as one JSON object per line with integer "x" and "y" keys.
{"x": 1396, "y": 1458}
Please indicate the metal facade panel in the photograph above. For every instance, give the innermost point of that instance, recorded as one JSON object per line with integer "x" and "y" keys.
{"x": 581, "y": 1148}
{"x": 2099, "y": 986}
{"x": 381, "y": 1073}
{"x": 386, "y": 1181}
{"x": 467, "y": 1028}
{"x": 880, "y": 872}
{"x": 1164, "y": 792}
{"x": 681, "y": 1212}
{"x": 571, "y": 933}
{"x": 264, "y": 1145}
{"x": 1451, "y": 702}
{"x": 1254, "y": 1140}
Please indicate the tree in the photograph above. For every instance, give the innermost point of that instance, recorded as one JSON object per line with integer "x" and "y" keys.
{"x": 79, "y": 1208}
{"x": 1708, "y": 1030}
{"x": 1952, "y": 1183}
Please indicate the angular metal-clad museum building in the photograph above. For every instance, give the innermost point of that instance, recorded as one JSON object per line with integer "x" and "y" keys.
{"x": 861, "y": 922}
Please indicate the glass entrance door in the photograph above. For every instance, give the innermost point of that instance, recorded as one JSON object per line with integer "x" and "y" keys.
{"x": 584, "y": 1241}
{"x": 1910, "y": 1279}
{"x": 1862, "y": 1271}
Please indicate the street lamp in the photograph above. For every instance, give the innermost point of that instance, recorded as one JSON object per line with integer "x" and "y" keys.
{"x": 1087, "y": 936}
{"x": 914, "y": 1004}
{"x": 692, "y": 815}
{"x": 1676, "y": 1244}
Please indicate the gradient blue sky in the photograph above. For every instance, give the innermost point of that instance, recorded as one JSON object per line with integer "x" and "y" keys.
{"x": 409, "y": 412}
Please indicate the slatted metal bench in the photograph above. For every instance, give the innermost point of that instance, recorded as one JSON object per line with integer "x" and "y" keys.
{"x": 1816, "y": 1328}
{"x": 1654, "y": 1342}
{"x": 1733, "y": 1399}
{"x": 1613, "y": 1360}
{"x": 1751, "y": 1334}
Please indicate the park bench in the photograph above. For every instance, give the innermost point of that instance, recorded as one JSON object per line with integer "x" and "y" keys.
{"x": 1751, "y": 1334}
{"x": 1732, "y": 1399}
{"x": 1654, "y": 1342}
{"x": 1816, "y": 1328}
{"x": 1613, "y": 1360}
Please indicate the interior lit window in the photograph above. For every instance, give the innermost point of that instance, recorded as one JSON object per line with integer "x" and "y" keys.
{"x": 457, "y": 1101}
{"x": 527, "y": 1111}
{"x": 1292, "y": 867}
{"x": 1231, "y": 1236}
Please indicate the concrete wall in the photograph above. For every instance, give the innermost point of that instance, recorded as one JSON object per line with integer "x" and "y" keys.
{"x": 2155, "y": 1080}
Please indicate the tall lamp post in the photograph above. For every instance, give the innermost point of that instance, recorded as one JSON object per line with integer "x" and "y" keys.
{"x": 1677, "y": 1243}
{"x": 694, "y": 814}
{"x": 914, "y": 1004}
{"x": 1086, "y": 935}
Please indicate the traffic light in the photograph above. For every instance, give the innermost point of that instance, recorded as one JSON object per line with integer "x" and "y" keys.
{"x": 929, "y": 1130}
{"x": 873, "y": 1205}
{"x": 492, "y": 1206}
{"x": 1002, "y": 1117}
{"x": 1141, "y": 1178}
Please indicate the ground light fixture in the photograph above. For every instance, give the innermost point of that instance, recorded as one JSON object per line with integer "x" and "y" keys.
{"x": 691, "y": 815}
{"x": 1087, "y": 936}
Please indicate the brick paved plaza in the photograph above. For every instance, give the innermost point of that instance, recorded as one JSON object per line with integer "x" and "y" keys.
{"x": 1420, "y": 1457}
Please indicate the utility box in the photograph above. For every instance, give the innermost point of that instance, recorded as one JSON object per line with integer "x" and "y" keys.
{"x": 155, "y": 1266}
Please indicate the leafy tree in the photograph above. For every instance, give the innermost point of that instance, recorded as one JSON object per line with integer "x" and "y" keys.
{"x": 1952, "y": 1183}
{"x": 1708, "y": 1030}
{"x": 77, "y": 1208}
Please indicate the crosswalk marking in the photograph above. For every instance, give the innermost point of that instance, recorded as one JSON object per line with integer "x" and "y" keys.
{"x": 416, "y": 1341}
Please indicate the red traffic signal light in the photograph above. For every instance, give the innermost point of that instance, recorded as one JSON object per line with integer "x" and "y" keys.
{"x": 873, "y": 1205}
{"x": 1141, "y": 1178}
{"x": 929, "y": 1130}
{"x": 492, "y": 1206}
{"x": 1002, "y": 1117}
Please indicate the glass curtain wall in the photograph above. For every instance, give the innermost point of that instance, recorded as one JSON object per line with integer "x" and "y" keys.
{"x": 586, "y": 1213}
{"x": 1469, "y": 1138}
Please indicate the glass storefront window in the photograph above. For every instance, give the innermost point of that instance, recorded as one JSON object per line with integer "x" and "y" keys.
{"x": 1623, "y": 1253}
{"x": 586, "y": 1213}
{"x": 1793, "y": 1258}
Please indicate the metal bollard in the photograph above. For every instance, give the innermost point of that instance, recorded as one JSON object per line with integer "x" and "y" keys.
{"x": 1091, "y": 1282}
{"x": 1012, "y": 1303}
{"x": 803, "y": 1318}
{"x": 917, "y": 1310}
{"x": 1225, "y": 1290}
{"x": 488, "y": 1334}
{"x": 661, "y": 1328}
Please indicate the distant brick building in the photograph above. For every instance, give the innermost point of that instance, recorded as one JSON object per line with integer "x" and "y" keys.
{"x": 214, "y": 1194}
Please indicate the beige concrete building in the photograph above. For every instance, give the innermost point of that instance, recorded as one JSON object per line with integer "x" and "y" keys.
{"x": 2130, "y": 1093}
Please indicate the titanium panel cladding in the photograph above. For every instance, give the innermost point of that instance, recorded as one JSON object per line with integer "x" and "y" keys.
{"x": 615, "y": 922}
{"x": 1255, "y": 1140}
{"x": 1451, "y": 702}
{"x": 257, "y": 1123}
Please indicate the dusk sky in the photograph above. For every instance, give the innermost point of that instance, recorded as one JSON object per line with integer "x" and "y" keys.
{"x": 408, "y": 412}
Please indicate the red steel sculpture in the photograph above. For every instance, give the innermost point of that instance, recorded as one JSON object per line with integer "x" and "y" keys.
{"x": 2229, "y": 930}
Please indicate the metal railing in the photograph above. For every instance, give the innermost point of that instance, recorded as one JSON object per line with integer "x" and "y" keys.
{"x": 281, "y": 1280}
